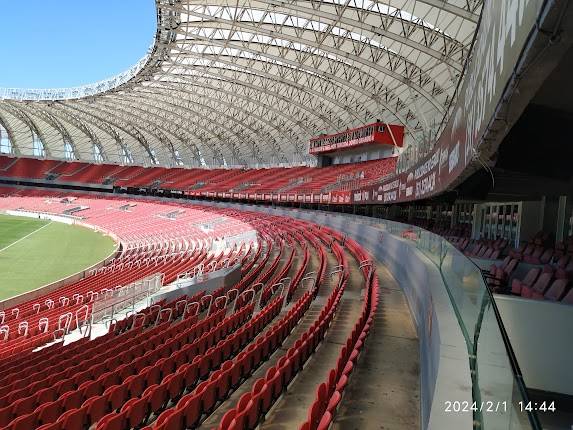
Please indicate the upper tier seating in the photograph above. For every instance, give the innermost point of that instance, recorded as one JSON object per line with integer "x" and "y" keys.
{"x": 243, "y": 183}
{"x": 5, "y": 163}
{"x": 94, "y": 174}
{"x": 28, "y": 168}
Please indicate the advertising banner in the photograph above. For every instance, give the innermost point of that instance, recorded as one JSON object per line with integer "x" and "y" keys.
{"x": 504, "y": 29}
{"x": 340, "y": 197}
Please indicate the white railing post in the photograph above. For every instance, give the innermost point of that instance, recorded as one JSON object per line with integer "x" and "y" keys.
{"x": 43, "y": 322}
{"x": 67, "y": 317}
{"x": 85, "y": 309}
{"x": 191, "y": 309}
{"x": 23, "y": 325}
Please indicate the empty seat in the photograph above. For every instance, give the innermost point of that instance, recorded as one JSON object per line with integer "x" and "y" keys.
{"x": 539, "y": 287}
{"x": 557, "y": 290}
{"x": 568, "y": 299}
{"x": 530, "y": 278}
{"x": 535, "y": 256}
{"x": 565, "y": 272}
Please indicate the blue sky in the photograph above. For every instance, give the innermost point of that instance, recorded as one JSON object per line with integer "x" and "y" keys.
{"x": 65, "y": 43}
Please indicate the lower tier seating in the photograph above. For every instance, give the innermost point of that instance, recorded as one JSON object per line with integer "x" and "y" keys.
{"x": 173, "y": 364}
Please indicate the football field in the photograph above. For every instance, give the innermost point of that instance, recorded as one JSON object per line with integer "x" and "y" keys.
{"x": 37, "y": 252}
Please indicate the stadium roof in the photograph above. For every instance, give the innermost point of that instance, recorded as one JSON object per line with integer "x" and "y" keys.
{"x": 249, "y": 82}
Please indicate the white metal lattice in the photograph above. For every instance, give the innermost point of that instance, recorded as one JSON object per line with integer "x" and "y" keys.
{"x": 235, "y": 82}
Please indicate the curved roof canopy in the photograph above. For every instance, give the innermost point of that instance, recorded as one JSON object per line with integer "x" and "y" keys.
{"x": 249, "y": 82}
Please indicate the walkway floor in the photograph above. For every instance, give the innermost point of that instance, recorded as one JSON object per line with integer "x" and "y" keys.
{"x": 384, "y": 390}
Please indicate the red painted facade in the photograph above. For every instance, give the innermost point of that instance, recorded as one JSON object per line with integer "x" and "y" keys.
{"x": 377, "y": 133}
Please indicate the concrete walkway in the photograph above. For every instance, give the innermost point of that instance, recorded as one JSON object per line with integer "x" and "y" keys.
{"x": 384, "y": 390}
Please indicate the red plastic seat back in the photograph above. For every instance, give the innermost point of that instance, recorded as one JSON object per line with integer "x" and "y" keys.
{"x": 511, "y": 266}
{"x": 562, "y": 262}
{"x": 531, "y": 276}
{"x": 568, "y": 299}
{"x": 24, "y": 422}
{"x": 97, "y": 407}
{"x": 556, "y": 290}
{"x": 542, "y": 282}
{"x": 546, "y": 256}
{"x": 73, "y": 419}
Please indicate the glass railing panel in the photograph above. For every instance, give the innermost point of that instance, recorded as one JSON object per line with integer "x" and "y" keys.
{"x": 497, "y": 388}
{"x": 464, "y": 284}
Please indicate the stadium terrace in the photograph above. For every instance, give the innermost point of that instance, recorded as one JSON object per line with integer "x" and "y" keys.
{"x": 300, "y": 215}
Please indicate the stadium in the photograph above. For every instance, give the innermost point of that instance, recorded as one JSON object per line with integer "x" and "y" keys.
{"x": 322, "y": 214}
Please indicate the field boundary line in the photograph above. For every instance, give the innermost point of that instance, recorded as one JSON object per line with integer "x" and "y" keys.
{"x": 25, "y": 237}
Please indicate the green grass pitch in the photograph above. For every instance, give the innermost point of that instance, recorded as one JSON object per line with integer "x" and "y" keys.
{"x": 37, "y": 252}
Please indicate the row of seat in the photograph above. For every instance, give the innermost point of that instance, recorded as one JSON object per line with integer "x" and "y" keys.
{"x": 538, "y": 250}
{"x": 329, "y": 393}
{"x": 114, "y": 419}
{"x": 31, "y": 324}
{"x": 63, "y": 366}
{"x": 31, "y": 366}
{"x": 533, "y": 254}
{"x": 172, "y": 417}
{"x": 20, "y": 411}
{"x": 67, "y": 315}
{"x": 550, "y": 280}
{"x": 187, "y": 413}
{"x": 540, "y": 284}
{"x": 173, "y": 374}
{"x": 253, "y": 405}
{"x": 257, "y": 402}
{"x": 117, "y": 360}
{"x": 206, "y": 393}
{"x": 245, "y": 183}
{"x": 148, "y": 359}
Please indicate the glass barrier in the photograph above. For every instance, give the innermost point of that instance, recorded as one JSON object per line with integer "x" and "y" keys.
{"x": 498, "y": 389}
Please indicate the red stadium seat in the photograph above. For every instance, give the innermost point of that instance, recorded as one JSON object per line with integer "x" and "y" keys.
{"x": 530, "y": 278}
{"x": 557, "y": 290}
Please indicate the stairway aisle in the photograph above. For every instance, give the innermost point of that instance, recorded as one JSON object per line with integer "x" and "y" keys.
{"x": 384, "y": 390}
{"x": 291, "y": 409}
